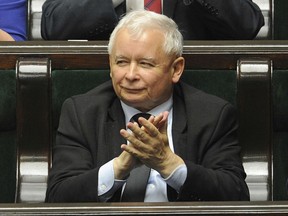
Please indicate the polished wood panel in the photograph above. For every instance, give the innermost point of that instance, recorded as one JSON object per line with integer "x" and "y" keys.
{"x": 141, "y": 209}
{"x": 198, "y": 54}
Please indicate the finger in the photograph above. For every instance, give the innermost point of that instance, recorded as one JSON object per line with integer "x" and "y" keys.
{"x": 139, "y": 139}
{"x": 132, "y": 151}
{"x": 160, "y": 123}
{"x": 130, "y": 137}
{"x": 163, "y": 128}
{"x": 157, "y": 119}
{"x": 151, "y": 119}
{"x": 148, "y": 127}
{"x": 163, "y": 119}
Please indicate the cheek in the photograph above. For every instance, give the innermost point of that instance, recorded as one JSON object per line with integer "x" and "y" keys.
{"x": 116, "y": 75}
{"x": 160, "y": 86}
{"x": 116, "y": 80}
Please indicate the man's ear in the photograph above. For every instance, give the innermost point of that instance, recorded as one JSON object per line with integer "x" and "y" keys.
{"x": 110, "y": 64}
{"x": 178, "y": 68}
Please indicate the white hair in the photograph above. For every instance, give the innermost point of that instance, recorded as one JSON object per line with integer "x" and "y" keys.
{"x": 136, "y": 22}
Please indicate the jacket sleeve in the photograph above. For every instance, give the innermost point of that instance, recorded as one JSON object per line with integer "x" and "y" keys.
{"x": 73, "y": 177}
{"x": 218, "y": 174}
{"x": 77, "y": 19}
{"x": 233, "y": 19}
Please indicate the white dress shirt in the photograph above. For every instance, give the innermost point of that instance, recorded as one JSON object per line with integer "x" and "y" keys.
{"x": 132, "y": 4}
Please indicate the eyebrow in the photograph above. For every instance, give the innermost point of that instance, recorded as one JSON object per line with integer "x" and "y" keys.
{"x": 119, "y": 56}
{"x": 143, "y": 58}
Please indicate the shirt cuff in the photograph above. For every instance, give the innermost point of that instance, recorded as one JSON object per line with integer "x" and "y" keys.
{"x": 177, "y": 178}
{"x": 107, "y": 185}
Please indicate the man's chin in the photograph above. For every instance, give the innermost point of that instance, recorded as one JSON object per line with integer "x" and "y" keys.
{"x": 132, "y": 102}
{"x": 136, "y": 103}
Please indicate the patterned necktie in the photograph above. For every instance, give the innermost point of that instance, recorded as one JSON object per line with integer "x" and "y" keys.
{"x": 135, "y": 188}
{"x": 153, "y": 5}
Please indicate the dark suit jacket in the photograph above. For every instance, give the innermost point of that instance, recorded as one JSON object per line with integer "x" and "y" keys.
{"x": 199, "y": 19}
{"x": 204, "y": 134}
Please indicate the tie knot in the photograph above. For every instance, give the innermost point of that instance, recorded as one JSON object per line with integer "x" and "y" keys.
{"x": 138, "y": 115}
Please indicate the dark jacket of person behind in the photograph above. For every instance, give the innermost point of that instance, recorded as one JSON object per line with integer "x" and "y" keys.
{"x": 197, "y": 19}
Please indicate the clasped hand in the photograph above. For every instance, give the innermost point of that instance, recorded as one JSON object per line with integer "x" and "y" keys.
{"x": 149, "y": 145}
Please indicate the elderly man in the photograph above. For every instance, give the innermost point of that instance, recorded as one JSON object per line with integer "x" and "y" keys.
{"x": 182, "y": 144}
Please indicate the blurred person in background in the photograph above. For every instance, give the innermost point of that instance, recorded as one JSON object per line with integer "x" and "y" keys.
{"x": 13, "y": 20}
{"x": 197, "y": 19}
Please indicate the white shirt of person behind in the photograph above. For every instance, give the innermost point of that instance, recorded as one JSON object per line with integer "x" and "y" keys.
{"x": 131, "y": 4}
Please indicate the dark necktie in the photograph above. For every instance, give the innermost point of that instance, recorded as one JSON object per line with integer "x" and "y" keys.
{"x": 138, "y": 115}
{"x": 136, "y": 183}
{"x": 153, "y": 5}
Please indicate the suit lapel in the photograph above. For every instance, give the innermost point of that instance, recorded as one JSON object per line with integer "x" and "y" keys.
{"x": 179, "y": 134}
{"x": 179, "y": 127}
{"x": 115, "y": 122}
{"x": 169, "y": 7}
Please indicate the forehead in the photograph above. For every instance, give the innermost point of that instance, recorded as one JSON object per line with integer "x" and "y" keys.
{"x": 149, "y": 39}
{"x": 144, "y": 35}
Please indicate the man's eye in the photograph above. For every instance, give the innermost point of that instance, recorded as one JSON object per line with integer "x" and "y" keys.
{"x": 121, "y": 62}
{"x": 147, "y": 64}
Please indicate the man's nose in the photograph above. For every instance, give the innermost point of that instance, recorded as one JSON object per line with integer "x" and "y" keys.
{"x": 133, "y": 71}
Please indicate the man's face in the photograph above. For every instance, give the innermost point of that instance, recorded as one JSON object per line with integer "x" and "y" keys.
{"x": 142, "y": 74}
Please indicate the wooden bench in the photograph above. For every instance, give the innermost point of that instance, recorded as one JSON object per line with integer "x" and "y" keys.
{"x": 40, "y": 76}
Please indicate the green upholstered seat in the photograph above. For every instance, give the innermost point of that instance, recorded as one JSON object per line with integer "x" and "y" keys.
{"x": 222, "y": 83}
{"x": 7, "y": 136}
{"x": 280, "y": 19}
{"x": 280, "y": 133}
{"x": 66, "y": 83}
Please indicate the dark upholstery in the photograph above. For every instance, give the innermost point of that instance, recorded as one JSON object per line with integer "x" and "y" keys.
{"x": 280, "y": 19}
{"x": 222, "y": 83}
{"x": 66, "y": 83}
{"x": 280, "y": 130}
{"x": 7, "y": 135}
